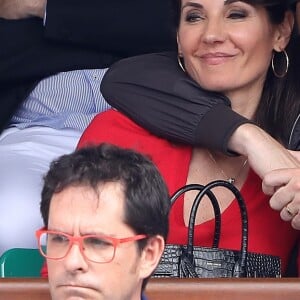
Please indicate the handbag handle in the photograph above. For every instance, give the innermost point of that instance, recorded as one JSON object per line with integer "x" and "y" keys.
{"x": 241, "y": 264}
{"x": 214, "y": 202}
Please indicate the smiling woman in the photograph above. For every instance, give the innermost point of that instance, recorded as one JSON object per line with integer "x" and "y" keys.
{"x": 218, "y": 54}
{"x": 229, "y": 47}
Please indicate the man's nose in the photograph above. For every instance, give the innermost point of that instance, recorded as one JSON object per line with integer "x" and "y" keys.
{"x": 75, "y": 259}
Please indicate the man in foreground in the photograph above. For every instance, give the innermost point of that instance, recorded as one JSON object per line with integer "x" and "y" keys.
{"x": 105, "y": 212}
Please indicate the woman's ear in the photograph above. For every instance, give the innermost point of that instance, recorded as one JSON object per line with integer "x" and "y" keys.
{"x": 151, "y": 255}
{"x": 284, "y": 32}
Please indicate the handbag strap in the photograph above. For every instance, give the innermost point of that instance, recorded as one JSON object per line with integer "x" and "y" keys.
{"x": 241, "y": 267}
{"x": 215, "y": 204}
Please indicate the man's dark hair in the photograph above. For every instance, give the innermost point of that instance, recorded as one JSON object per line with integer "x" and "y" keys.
{"x": 147, "y": 203}
{"x": 146, "y": 197}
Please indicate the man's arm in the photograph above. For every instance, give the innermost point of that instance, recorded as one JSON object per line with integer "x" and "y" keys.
{"x": 153, "y": 91}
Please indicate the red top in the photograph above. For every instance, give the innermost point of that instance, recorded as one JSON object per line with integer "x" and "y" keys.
{"x": 267, "y": 232}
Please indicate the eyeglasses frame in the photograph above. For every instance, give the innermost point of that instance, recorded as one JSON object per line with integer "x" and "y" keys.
{"x": 79, "y": 240}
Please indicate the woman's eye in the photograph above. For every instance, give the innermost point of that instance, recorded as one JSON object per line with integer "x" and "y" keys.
{"x": 193, "y": 17}
{"x": 237, "y": 15}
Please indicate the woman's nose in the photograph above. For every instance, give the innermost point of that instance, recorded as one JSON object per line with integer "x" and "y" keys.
{"x": 214, "y": 32}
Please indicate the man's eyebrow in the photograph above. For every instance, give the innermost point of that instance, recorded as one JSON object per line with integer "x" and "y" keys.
{"x": 193, "y": 4}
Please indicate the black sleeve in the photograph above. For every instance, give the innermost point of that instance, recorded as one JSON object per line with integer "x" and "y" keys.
{"x": 152, "y": 90}
{"x": 130, "y": 27}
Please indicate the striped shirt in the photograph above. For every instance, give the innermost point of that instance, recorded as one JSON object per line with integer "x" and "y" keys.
{"x": 65, "y": 100}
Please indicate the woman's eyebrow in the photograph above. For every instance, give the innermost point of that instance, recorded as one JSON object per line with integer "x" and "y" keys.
{"x": 198, "y": 5}
{"x": 193, "y": 4}
{"x": 227, "y": 2}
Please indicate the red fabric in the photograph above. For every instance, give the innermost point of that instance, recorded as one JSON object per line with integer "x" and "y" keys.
{"x": 44, "y": 271}
{"x": 267, "y": 232}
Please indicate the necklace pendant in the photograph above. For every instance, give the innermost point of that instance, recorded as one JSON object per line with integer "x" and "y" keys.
{"x": 231, "y": 180}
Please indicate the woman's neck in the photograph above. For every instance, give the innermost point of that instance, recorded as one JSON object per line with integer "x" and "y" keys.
{"x": 246, "y": 100}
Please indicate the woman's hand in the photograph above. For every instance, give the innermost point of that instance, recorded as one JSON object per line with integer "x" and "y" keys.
{"x": 284, "y": 187}
{"x": 277, "y": 167}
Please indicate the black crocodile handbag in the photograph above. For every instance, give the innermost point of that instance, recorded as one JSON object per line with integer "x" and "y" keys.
{"x": 184, "y": 261}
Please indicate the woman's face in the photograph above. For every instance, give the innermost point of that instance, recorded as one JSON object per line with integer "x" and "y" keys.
{"x": 227, "y": 45}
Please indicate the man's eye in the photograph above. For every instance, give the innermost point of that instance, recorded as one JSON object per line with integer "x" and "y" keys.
{"x": 58, "y": 238}
{"x": 97, "y": 242}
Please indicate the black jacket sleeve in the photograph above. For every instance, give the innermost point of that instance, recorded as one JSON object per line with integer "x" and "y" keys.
{"x": 153, "y": 91}
{"x": 129, "y": 27}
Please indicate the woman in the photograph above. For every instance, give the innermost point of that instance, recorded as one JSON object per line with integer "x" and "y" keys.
{"x": 154, "y": 92}
{"x": 226, "y": 47}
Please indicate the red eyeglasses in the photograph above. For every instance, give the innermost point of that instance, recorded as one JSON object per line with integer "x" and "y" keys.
{"x": 96, "y": 248}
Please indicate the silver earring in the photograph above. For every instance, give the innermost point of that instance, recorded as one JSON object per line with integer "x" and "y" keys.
{"x": 287, "y": 63}
{"x": 179, "y": 58}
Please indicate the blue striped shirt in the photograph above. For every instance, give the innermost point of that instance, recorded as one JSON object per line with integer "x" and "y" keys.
{"x": 65, "y": 100}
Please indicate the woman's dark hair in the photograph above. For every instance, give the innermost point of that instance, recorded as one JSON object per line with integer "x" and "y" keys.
{"x": 275, "y": 8}
{"x": 280, "y": 102}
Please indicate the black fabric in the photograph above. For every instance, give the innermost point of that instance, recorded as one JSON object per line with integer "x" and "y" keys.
{"x": 153, "y": 91}
{"x": 125, "y": 26}
{"x": 28, "y": 56}
{"x": 183, "y": 261}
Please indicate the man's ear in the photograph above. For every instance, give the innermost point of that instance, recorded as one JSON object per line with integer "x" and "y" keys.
{"x": 284, "y": 32}
{"x": 151, "y": 255}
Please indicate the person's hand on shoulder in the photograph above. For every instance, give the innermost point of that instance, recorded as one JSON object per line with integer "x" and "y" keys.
{"x": 20, "y": 9}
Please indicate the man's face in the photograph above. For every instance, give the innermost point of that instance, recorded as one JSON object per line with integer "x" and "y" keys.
{"x": 78, "y": 211}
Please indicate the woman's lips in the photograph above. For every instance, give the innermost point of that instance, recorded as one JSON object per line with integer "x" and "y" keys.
{"x": 216, "y": 58}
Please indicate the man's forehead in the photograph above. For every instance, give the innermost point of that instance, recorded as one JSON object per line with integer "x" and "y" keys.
{"x": 84, "y": 203}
